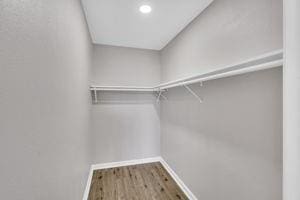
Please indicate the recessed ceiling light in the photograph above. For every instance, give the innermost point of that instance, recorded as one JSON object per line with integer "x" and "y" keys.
{"x": 145, "y": 9}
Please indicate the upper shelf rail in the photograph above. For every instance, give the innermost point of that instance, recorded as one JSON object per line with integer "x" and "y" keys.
{"x": 265, "y": 61}
{"x": 123, "y": 88}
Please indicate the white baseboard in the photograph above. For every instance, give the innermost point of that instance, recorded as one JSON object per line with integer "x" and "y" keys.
{"x": 125, "y": 163}
{"x": 88, "y": 185}
{"x": 180, "y": 183}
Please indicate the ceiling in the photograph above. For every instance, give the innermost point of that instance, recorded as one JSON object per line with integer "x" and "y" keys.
{"x": 120, "y": 23}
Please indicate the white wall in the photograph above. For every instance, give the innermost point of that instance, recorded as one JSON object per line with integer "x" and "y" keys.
{"x": 125, "y": 66}
{"x": 44, "y": 100}
{"x": 45, "y": 105}
{"x": 229, "y": 147}
{"x": 291, "y": 134}
{"x": 125, "y": 125}
{"x": 228, "y": 31}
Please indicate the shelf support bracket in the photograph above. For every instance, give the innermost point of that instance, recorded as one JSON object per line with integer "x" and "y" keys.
{"x": 95, "y": 95}
{"x": 160, "y": 95}
{"x": 164, "y": 97}
{"x": 193, "y": 93}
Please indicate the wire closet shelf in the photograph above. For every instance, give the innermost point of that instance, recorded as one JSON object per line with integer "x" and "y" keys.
{"x": 262, "y": 62}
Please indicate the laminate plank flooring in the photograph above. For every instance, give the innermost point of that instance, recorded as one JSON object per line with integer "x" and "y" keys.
{"x": 136, "y": 182}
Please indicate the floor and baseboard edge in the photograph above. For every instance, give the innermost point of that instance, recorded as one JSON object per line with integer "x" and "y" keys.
{"x": 176, "y": 178}
{"x": 179, "y": 182}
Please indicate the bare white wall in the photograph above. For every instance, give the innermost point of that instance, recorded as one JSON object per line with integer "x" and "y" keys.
{"x": 125, "y": 125}
{"x": 291, "y": 144}
{"x": 125, "y": 66}
{"x": 229, "y": 147}
{"x": 228, "y": 31}
{"x": 44, "y": 100}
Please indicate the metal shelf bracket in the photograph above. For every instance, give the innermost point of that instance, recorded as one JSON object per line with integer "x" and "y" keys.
{"x": 193, "y": 93}
{"x": 160, "y": 95}
{"x": 95, "y": 96}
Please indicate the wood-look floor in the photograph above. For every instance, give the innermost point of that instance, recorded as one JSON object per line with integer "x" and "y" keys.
{"x": 136, "y": 182}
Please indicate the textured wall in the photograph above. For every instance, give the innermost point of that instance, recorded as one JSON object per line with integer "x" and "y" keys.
{"x": 228, "y": 31}
{"x": 44, "y": 100}
{"x": 125, "y": 125}
{"x": 230, "y": 146}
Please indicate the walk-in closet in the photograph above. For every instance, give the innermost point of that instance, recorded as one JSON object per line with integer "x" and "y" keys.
{"x": 149, "y": 99}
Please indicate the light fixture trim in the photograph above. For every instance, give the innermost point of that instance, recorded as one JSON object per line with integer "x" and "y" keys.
{"x": 145, "y": 9}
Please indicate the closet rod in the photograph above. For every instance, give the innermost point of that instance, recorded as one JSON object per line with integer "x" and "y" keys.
{"x": 265, "y": 61}
{"x": 259, "y": 67}
{"x": 123, "y": 88}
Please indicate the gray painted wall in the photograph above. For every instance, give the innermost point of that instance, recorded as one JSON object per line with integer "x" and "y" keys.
{"x": 125, "y": 125}
{"x": 228, "y": 31}
{"x": 230, "y": 146}
{"x": 45, "y": 107}
{"x": 125, "y": 66}
{"x": 44, "y": 100}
